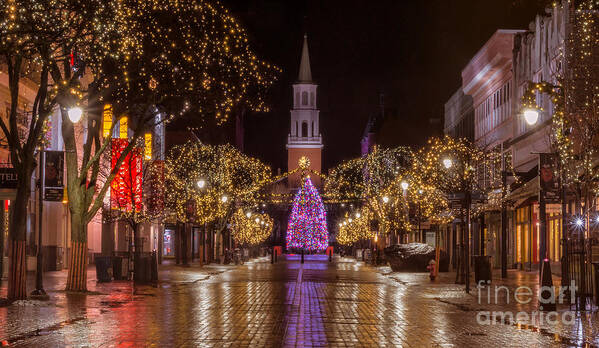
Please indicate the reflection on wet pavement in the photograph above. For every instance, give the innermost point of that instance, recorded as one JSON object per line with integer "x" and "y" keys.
{"x": 318, "y": 303}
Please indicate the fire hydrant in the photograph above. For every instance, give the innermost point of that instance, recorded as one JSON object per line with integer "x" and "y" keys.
{"x": 431, "y": 268}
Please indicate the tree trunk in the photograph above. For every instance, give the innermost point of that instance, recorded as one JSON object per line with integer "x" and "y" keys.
{"x": 17, "y": 280}
{"x": 136, "y": 253}
{"x": 77, "y": 278}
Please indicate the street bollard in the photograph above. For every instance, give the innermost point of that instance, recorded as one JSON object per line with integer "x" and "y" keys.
{"x": 272, "y": 256}
{"x": 330, "y": 255}
{"x": 547, "y": 302}
{"x": 302, "y": 255}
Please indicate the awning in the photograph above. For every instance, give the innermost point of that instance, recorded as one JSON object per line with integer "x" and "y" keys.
{"x": 529, "y": 189}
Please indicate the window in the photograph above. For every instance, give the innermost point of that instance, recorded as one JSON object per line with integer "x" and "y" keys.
{"x": 311, "y": 98}
{"x": 123, "y": 125}
{"x": 304, "y": 98}
{"x": 312, "y": 128}
{"x": 148, "y": 146}
{"x": 296, "y": 98}
{"x": 106, "y": 120}
{"x": 296, "y": 129}
{"x": 304, "y": 129}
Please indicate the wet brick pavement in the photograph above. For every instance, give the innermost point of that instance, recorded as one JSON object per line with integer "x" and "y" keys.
{"x": 340, "y": 304}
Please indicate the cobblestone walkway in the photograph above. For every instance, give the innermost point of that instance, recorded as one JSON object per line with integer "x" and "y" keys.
{"x": 343, "y": 304}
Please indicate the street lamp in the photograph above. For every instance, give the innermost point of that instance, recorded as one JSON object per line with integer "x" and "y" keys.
{"x": 447, "y": 163}
{"x": 385, "y": 199}
{"x": 248, "y": 214}
{"x": 224, "y": 199}
{"x": 404, "y": 185}
{"x": 75, "y": 114}
{"x": 201, "y": 183}
{"x": 358, "y": 215}
{"x": 531, "y": 116}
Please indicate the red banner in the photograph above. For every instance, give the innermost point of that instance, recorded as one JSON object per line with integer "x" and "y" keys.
{"x": 126, "y": 188}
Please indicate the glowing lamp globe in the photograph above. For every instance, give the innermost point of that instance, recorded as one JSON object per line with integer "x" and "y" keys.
{"x": 531, "y": 116}
{"x": 404, "y": 185}
{"x": 224, "y": 199}
{"x": 248, "y": 214}
{"x": 75, "y": 114}
{"x": 447, "y": 163}
{"x": 385, "y": 199}
{"x": 201, "y": 183}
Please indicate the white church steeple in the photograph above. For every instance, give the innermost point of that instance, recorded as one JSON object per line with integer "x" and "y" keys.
{"x": 305, "y": 74}
{"x": 304, "y": 138}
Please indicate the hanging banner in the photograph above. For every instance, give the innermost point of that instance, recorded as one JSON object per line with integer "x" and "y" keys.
{"x": 126, "y": 188}
{"x": 53, "y": 175}
{"x": 549, "y": 178}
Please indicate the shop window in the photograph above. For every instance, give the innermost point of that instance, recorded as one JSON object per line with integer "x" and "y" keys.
{"x": 106, "y": 120}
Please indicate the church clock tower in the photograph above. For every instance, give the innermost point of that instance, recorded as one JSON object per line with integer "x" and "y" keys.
{"x": 304, "y": 139}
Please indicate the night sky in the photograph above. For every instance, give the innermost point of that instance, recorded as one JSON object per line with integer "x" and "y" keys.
{"x": 413, "y": 51}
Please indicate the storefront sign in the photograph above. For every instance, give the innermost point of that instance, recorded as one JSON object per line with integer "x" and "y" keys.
{"x": 8, "y": 178}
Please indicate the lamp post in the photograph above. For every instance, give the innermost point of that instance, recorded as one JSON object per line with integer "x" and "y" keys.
{"x": 39, "y": 292}
{"x": 404, "y": 186}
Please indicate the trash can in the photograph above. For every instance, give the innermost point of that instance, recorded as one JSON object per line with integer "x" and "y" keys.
{"x": 143, "y": 270}
{"x": 482, "y": 269}
{"x": 117, "y": 268}
{"x": 103, "y": 268}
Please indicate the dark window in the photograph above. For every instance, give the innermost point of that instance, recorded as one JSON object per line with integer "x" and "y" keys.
{"x": 304, "y": 98}
{"x": 304, "y": 129}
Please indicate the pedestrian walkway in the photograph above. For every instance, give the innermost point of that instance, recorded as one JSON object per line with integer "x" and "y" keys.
{"x": 343, "y": 303}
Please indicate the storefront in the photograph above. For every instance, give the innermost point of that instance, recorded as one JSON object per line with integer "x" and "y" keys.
{"x": 523, "y": 236}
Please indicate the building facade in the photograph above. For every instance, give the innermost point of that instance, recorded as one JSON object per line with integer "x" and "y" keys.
{"x": 496, "y": 79}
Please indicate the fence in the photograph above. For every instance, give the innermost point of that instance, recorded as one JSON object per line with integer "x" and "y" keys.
{"x": 577, "y": 267}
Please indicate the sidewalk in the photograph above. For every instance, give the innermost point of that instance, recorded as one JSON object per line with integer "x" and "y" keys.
{"x": 495, "y": 305}
{"x": 168, "y": 272}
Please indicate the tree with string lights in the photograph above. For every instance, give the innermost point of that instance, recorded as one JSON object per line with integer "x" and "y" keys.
{"x": 206, "y": 184}
{"x": 369, "y": 181}
{"x": 179, "y": 59}
{"x": 36, "y": 39}
{"x": 307, "y": 227}
{"x": 248, "y": 229}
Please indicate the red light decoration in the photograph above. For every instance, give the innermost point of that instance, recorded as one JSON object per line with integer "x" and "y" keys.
{"x": 126, "y": 188}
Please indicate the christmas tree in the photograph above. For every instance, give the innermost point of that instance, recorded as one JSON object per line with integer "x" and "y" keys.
{"x": 307, "y": 228}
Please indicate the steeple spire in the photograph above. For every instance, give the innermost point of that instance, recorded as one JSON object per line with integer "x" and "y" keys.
{"x": 305, "y": 74}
